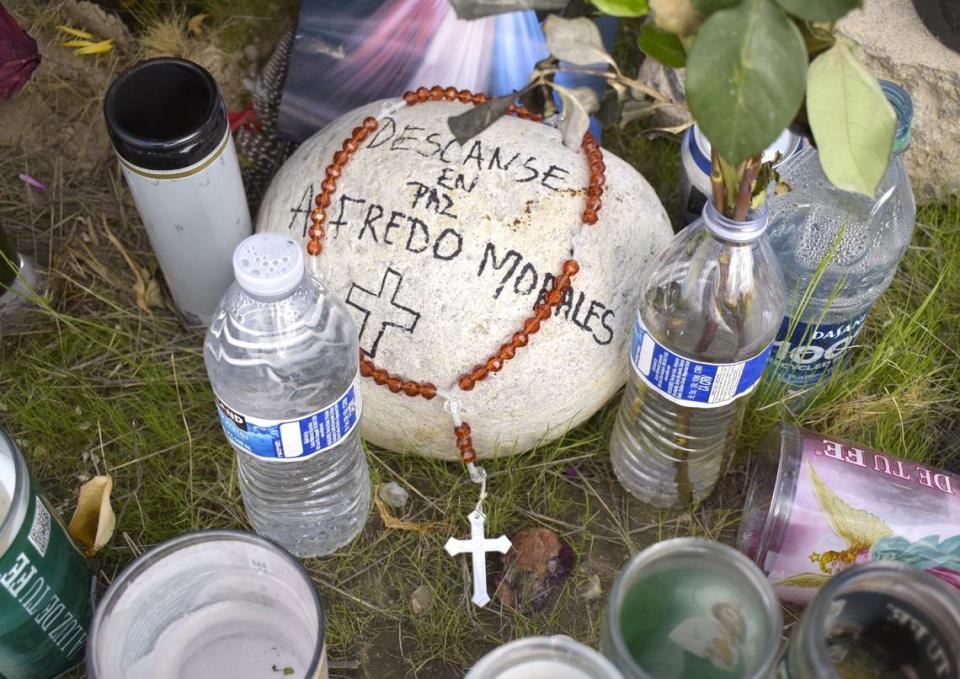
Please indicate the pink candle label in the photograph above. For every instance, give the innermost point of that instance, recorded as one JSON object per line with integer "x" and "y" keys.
{"x": 854, "y": 505}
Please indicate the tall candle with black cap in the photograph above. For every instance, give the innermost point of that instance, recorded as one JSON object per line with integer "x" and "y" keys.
{"x": 169, "y": 127}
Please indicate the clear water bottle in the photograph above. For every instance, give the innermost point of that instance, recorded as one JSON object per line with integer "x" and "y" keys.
{"x": 707, "y": 319}
{"x": 866, "y": 238}
{"x": 283, "y": 359}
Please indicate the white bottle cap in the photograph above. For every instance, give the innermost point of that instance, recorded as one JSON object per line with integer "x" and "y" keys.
{"x": 268, "y": 264}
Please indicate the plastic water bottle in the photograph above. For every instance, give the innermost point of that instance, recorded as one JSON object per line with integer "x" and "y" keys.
{"x": 283, "y": 359}
{"x": 866, "y": 236}
{"x": 707, "y": 319}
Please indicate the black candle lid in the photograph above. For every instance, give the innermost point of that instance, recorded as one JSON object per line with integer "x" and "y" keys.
{"x": 165, "y": 114}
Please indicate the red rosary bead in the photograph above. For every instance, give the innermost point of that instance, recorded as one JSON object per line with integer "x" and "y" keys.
{"x": 314, "y": 248}
{"x": 532, "y": 325}
{"x": 469, "y": 456}
{"x": 466, "y": 383}
{"x": 427, "y": 390}
{"x": 350, "y": 146}
{"x": 423, "y": 93}
{"x": 520, "y": 339}
{"x": 570, "y": 267}
{"x": 507, "y": 351}
{"x": 370, "y": 123}
{"x": 494, "y": 364}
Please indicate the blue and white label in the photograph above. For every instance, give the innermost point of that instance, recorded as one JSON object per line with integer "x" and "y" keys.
{"x": 692, "y": 383}
{"x": 813, "y": 350}
{"x": 293, "y": 439}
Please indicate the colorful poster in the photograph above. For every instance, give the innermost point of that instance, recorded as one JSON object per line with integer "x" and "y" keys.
{"x": 347, "y": 54}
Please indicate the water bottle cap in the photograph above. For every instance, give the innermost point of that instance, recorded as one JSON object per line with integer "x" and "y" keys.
{"x": 268, "y": 264}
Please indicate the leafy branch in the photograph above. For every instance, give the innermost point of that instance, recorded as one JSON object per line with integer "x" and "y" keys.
{"x": 752, "y": 69}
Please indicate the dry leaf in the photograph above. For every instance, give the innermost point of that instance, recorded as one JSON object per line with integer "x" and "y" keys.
{"x": 195, "y": 24}
{"x": 93, "y": 522}
{"x": 390, "y": 521}
{"x": 96, "y": 48}
{"x": 76, "y": 32}
{"x": 146, "y": 289}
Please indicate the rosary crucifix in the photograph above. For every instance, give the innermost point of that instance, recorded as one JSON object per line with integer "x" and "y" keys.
{"x": 478, "y": 545}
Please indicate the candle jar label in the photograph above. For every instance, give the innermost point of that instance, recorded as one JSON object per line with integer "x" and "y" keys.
{"x": 298, "y": 438}
{"x": 854, "y": 505}
{"x": 689, "y": 382}
{"x": 45, "y": 596}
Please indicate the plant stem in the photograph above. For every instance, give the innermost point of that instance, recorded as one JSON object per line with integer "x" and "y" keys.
{"x": 716, "y": 181}
{"x": 750, "y": 170}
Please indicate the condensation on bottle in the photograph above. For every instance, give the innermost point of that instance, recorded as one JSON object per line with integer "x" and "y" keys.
{"x": 283, "y": 360}
{"x": 708, "y": 316}
{"x": 862, "y": 239}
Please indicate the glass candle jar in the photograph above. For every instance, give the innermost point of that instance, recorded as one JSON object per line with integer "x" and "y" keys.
{"x": 19, "y": 279}
{"x": 210, "y": 604}
{"x": 877, "y": 620}
{"x": 817, "y": 505}
{"x": 45, "y": 582}
{"x": 556, "y": 657}
{"x": 695, "y": 609}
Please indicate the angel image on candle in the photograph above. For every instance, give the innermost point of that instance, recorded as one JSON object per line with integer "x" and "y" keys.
{"x": 869, "y": 538}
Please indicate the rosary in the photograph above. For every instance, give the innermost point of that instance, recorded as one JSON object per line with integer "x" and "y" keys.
{"x": 477, "y": 545}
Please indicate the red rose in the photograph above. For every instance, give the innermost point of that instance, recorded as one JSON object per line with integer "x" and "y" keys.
{"x": 18, "y": 56}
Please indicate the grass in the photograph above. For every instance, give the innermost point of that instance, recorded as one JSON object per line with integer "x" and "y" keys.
{"x": 93, "y": 384}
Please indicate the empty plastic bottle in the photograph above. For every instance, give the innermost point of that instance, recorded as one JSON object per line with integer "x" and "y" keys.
{"x": 866, "y": 238}
{"x": 707, "y": 319}
{"x": 282, "y": 356}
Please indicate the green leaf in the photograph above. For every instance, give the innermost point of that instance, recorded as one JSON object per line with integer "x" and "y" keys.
{"x": 745, "y": 77}
{"x": 576, "y": 41}
{"x": 708, "y": 7}
{"x": 622, "y": 8}
{"x": 852, "y": 121}
{"x": 663, "y": 46}
{"x": 819, "y": 10}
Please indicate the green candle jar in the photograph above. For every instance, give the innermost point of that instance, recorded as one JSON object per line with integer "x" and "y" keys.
{"x": 692, "y": 609}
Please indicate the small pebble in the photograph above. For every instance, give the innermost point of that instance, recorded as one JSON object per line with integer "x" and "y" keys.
{"x": 590, "y": 588}
{"x": 421, "y": 600}
{"x": 251, "y": 52}
{"x": 394, "y": 495}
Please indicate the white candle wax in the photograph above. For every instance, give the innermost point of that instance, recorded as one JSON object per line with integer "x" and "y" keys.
{"x": 7, "y": 484}
{"x": 240, "y": 640}
{"x": 544, "y": 669}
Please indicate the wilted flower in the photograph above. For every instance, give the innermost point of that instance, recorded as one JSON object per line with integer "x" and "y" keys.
{"x": 19, "y": 56}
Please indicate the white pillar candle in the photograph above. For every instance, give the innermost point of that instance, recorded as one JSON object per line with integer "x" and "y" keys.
{"x": 557, "y": 657}
{"x": 169, "y": 127}
{"x": 210, "y": 604}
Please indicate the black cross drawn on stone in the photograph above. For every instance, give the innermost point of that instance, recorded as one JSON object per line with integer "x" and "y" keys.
{"x": 376, "y": 319}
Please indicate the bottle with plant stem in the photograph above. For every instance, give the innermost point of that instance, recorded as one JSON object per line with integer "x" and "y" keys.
{"x": 708, "y": 316}
{"x": 839, "y": 252}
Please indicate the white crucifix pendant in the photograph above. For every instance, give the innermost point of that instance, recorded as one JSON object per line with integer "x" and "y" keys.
{"x": 478, "y": 546}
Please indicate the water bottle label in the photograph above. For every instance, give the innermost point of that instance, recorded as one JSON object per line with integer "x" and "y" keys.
{"x": 293, "y": 439}
{"x": 812, "y": 351}
{"x": 692, "y": 383}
